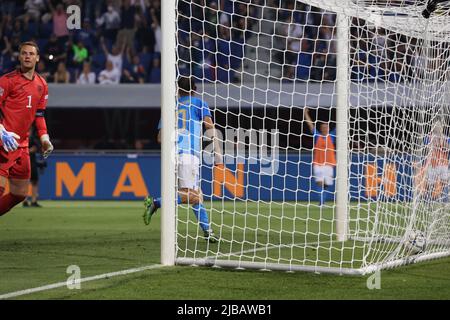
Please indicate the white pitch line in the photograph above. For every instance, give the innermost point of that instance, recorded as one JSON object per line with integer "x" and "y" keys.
{"x": 63, "y": 284}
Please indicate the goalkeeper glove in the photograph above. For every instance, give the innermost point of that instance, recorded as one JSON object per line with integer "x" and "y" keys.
{"x": 47, "y": 146}
{"x": 9, "y": 140}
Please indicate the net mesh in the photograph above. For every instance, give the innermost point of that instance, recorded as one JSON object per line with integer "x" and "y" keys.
{"x": 268, "y": 71}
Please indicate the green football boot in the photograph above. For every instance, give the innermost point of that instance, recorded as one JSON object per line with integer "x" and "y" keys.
{"x": 150, "y": 209}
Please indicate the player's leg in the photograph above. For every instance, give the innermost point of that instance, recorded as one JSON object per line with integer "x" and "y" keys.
{"x": 446, "y": 185}
{"x": 195, "y": 199}
{"x": 5, "y": 164}
{"x": 3, "y": 182}
{"x": 443, "y": 176}
{"x": 17, "y": 193}
{"x": 16, "y": 166}
{"x": 185, "y": 178}
{"x": 189, "y": 184}
{"x": 432, "y": 183}
{"x": 34, "y": 183}
{"x": 35, "y": 195}
{"x": 429, "y": 183}
{"x": 320, "y": 182}
{"x": 189, "y": 196}
{"x": 328, "y": 178}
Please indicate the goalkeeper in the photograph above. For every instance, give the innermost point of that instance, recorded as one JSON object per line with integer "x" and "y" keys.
{"x": 192, "y": 113}
{"x": 324, "y": 158}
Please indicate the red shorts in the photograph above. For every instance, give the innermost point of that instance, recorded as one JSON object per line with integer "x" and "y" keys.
{"x": 16, "y": 164}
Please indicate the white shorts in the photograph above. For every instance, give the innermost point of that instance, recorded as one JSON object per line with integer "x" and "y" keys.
{"x": 324, "y": 174}
{"x": 434, "y": 174}
{"x": 188, "y": 171}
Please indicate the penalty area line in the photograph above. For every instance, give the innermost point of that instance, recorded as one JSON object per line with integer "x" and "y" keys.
{"x": 65, "y": 283}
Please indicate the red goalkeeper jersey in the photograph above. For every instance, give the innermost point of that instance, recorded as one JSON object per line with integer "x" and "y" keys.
{"x": 21, "y": 100}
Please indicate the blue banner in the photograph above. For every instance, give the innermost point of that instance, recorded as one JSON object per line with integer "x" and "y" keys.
{"x": 100, "y": 177}
{"x": 132, "y": 177}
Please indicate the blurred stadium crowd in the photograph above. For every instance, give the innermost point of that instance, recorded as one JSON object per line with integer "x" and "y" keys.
{"x": 283, "y": 40}
{"x": 120, "y": 41}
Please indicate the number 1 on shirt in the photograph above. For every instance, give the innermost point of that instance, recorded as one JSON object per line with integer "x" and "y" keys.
{"x": 29, "y": 102}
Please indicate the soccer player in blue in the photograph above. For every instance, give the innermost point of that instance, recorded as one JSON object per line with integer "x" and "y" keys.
{"x": 193, "y": 113}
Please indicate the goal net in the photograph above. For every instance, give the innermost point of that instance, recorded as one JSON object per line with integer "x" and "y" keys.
{"x": 333, "y": 120}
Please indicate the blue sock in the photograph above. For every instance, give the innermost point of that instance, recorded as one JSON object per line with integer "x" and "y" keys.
{"x": 157, "y": 201}
{"x": 201, "y": 215}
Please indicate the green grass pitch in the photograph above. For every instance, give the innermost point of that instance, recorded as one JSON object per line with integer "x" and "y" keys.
{"x": 37, "y": 246}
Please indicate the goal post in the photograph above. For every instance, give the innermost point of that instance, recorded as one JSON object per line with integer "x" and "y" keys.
{"x": 342, "y": 115}
{"x": 168, "y": 107}
{"x": 334, "y": 121}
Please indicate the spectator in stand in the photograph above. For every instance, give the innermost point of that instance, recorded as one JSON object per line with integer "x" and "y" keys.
{"x": 127, "y": 24}
{"x": 42, "y": 70}
{"x": 87, "y": 35}
{"x": 53, "y": 53}
{"x": 33, "y": 10}
{"x": 6, "y": 24}
{"x": 80, "y": 54}
{"x": 6, "y": 64}
{"x": 156, "y": 6}
{"x": 17, "y": 31}
{"x": 61, "y": 75}
{"x": 110, "y": 22}
{"x": 211, "y": 16}
{"x": 15, "y": 43}
{"x": 110, "y": 75}
{"x": 59, "y": 17}
{"x": 90, "y": 9}
{"x": 116, "y": 55}
{"x": 3, "y": 44}
{"x": 87, "y": 76}
{"x": 6, "y": 47}
{"x": 144, "y": 36}
{"x": 156, "y": 27}
{"x": 135, "y": 72}
{"x": 294, "y": 33}
{"x": 155, "y": 75}
{"x": 7, "y": 7}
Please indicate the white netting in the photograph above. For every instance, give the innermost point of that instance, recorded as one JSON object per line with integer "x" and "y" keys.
{"x": 268, "y": 70}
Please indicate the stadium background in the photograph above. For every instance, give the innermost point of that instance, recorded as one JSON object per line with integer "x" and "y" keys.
{"x": 102, "y": 118}
{"x": 113, "y": 127}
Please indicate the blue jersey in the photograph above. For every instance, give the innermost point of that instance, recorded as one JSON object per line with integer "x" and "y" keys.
{"x": 191, "y": 112}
